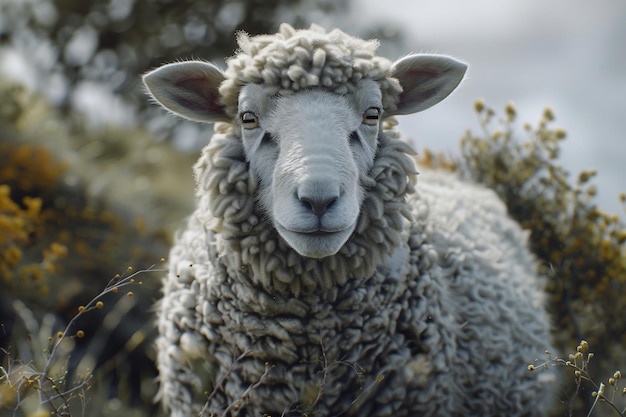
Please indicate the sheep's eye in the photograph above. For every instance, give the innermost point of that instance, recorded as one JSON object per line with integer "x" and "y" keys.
{"x": 371, "y": 116}
{"x": 249, "y": 120}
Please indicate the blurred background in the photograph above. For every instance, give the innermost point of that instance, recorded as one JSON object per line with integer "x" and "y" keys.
{"x": 111, "y": 171}
{"x": 567, "y": 55}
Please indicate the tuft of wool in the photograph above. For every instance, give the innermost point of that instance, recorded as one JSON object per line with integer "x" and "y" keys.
{"x": 292, "y": 60}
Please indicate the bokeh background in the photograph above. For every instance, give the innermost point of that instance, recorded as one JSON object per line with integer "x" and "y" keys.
{"x": 111, "y": 174}
{"x": 566, "y": 55}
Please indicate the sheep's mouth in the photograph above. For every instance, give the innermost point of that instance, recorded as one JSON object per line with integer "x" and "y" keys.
{"x": 316, "y": 231}
{"x": 321, "y": 233}
{"x": 315, "y": 243}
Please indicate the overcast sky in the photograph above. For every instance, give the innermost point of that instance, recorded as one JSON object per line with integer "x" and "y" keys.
{"x": 569, "y": 55}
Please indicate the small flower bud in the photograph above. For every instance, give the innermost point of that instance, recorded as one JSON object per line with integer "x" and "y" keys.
{"x": 583, "y": 177}
{"x": 479, "y": 105}
{"x": 510, "y": 111}
{"x": 548, "y": 114}
{"x": 592, "y": 191}
{"x": 560, "y": 133}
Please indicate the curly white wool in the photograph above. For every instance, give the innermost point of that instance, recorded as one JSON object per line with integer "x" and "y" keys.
{"x": 294, "y": 59}
{"x": 431, "y": 308}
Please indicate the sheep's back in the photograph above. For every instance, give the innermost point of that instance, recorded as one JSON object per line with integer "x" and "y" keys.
{"x": 496, "y": 297}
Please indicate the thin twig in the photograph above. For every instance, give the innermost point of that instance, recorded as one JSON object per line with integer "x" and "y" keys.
{"x": 113, "y": 285}
{"x": 248, "y": 390}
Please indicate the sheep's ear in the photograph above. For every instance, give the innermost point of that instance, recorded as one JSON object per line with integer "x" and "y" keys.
{"x": 425, "y": 80}
{"x": 188, "y": 89}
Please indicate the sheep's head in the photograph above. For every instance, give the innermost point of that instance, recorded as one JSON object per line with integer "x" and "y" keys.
{"x": 311, "y": 136}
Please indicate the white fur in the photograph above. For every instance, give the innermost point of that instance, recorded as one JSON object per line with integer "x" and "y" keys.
{"x": 312, "y": 279}
{"x": 299, "y": 163}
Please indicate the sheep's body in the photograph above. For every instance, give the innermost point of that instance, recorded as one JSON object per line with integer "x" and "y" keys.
{"x": 430, "y": 306}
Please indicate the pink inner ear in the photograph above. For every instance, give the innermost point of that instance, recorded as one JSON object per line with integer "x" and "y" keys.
{"x": 189, "y": 89}
{"x": 203, "y": 94}
{"x": 417, "y": 86}
{"x": 425, "y": 81}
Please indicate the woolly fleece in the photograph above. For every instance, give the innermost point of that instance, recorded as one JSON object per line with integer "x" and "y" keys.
{"x": 292, "y": 60}
{"x": 432, "y": 307}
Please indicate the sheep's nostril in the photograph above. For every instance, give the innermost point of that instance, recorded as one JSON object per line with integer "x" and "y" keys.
{"x": 319, "y": 206}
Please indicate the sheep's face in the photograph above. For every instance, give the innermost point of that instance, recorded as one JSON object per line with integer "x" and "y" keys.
{"x": 308, "y": 150}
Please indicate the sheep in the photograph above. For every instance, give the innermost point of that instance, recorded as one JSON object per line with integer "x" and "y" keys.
{"x": 316, "y": 275}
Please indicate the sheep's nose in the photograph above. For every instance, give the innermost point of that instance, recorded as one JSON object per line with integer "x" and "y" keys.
{"x": 319, "y": 205}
